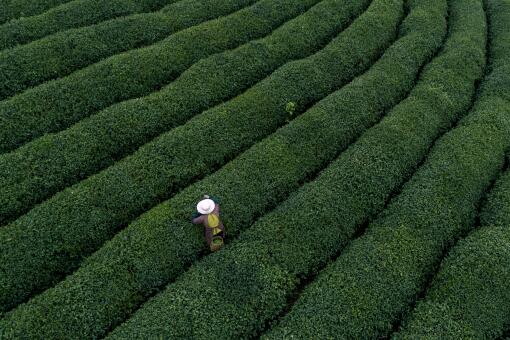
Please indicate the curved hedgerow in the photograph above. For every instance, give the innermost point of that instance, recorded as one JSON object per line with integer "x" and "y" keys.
{"x": 286, "y": 241}
{"x": 56, "y": 105}
{"x": 60, "y": 54}
{"x": 12, "y": 9}
{"x": 73, "y": 14}
{"x": 497, "y": 208}
{"x": 98, "y": 206}
{"x": 376, "y": 279}
{"x": 308, "y": 229}
{"x": 470, "y": 296}
{"x": 49, "y": 164}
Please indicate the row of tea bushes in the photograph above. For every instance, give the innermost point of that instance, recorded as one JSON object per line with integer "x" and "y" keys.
{"x": 73, "y": 14}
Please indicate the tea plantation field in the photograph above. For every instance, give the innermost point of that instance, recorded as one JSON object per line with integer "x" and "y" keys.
{"x": 359, "y": 149}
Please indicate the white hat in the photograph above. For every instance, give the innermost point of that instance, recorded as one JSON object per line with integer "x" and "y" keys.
{"x": 206, "y": 206}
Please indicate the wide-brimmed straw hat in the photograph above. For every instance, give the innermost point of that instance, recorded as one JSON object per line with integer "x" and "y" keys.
{"x": 206, "y": 206}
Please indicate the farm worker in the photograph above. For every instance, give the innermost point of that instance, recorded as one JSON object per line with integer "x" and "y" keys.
{"x": 208, "y": 214}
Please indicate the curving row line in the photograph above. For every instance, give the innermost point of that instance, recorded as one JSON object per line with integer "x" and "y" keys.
{"x": 12, "y": 9}
{"x": 43, "y": 167}
{"x": 56, "y": 105}
{"x": 58, "y": 55}
{"x": 303, "y": 81}
{"x": 120, "y": 193}
{"x": 375, "y": 280}
{"x": 72, "y": 14}
{"x": 470, "y": 296}
{"x": 232, "y": 294}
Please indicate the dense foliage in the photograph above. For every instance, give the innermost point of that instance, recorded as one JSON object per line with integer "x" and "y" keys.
{"x": 380, "y": 274}
{"x": 61, "y": 54}
{"x": 353, "y": 145}
{"x": 57, "y": 104}
{"x": 122, "y": 128}
{"x": 470, "y": 296}
{"x": 79, "y": 219}
{"x": 73, "y": 14}
{"x": 12, "y": 9}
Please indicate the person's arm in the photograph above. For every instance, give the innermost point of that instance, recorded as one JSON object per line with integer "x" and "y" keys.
{"x": 197, "y": 218}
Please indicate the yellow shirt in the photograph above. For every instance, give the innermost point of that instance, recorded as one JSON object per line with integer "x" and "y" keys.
{"x": 213, "y": 222}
